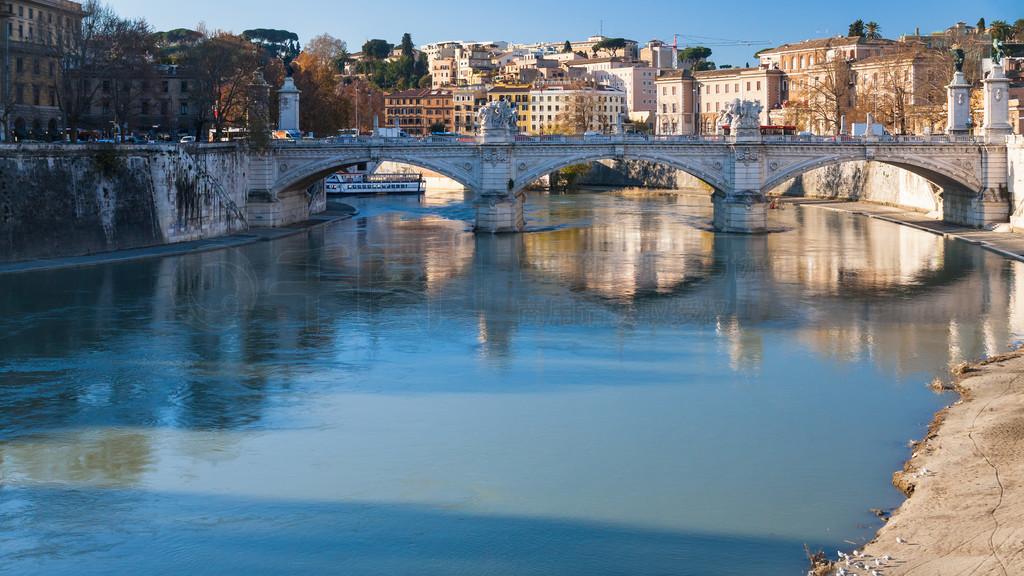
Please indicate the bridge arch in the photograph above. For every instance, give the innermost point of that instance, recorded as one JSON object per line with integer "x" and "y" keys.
{"x": 695, "y": 167}
{"x": 309, "y": 173}
{"x": 948, "y": 175}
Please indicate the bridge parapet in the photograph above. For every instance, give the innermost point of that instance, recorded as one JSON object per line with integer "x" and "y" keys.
{"x": 970, "y": 173}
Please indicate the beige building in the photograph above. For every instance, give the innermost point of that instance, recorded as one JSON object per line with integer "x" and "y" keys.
{"x": 630, "y": 52}
{"x": 801, "y": 57}
{"x": 443, "y": 72}
{"x": 676, "y": 102}
{"x": 551, "y": 107}
{"x": 466, "y": 103}
{"x": 657, "y": 54}
{"x": 717, "y": 87}
{"x": 904, "y": 90}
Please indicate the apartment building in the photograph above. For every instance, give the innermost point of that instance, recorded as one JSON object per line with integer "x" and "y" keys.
{"x": 518, "y": 96}
{"x": 676, "y": 103}
{"x": 550, "y": 108}
{"x": 717, "y": 87}
{"x": 28, "y": 69}
{"x": 416, "y": 111}
{"x": 466, "y": 103}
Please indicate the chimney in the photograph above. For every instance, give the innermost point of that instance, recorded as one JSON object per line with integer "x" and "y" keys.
{"x": 917, "y": 31}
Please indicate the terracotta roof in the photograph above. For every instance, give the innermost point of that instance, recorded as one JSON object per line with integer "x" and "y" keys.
{"x": 420, "y": 93}
{"x": 819, "y": 43}
{"x": 907, "y": 56}
{"x": 723, "y": 72}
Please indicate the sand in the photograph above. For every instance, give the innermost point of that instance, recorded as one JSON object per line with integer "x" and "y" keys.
{"x": 965, "y": 481}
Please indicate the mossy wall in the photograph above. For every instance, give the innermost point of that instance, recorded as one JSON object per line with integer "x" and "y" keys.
{"x": 71, "y": 200}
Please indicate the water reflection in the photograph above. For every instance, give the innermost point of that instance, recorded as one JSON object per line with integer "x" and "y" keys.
{"x": 624, "y": 368}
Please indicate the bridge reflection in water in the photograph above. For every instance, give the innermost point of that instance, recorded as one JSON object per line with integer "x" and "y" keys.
{"x": 624, "y": 377}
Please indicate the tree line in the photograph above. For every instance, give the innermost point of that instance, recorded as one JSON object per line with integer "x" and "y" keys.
{"x": 231, "y": 77}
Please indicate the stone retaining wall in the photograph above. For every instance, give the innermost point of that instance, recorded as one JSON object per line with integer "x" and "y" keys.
{"x": 868, "y": 181}
{"x": 1015, "y": 180}
{"x": 69, "y": 200}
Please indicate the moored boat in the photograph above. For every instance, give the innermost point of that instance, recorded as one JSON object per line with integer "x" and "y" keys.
{"x": 362, "y": 183}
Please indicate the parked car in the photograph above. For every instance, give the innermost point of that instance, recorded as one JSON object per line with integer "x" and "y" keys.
{"x": 187, "y": 139}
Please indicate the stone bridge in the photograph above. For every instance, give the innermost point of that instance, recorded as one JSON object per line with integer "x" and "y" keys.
{"x": 969, "y": 173}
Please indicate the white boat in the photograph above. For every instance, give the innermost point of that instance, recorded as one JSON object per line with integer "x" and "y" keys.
{"x": 362, "y": 183}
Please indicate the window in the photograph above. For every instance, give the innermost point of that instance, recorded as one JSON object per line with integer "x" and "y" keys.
{"x": 36, "y": 95}
{"x": 758, "y": 84}
{"x": 184, "y": 109}
{"x": 36, "y": 67}
{"x": 673, "y": 90}
{"x": 31, "y": 13}
{"x": 184, "y": 86}
{"x": 19, "y": 65}
{"x": 716, "y": 88}
{"x": 726, "y": 89}
{"x": 738, "y": 87}
{"x": 748, "y": 86}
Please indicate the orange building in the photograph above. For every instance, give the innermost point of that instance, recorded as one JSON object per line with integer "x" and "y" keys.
{"x": 417, "y": 110}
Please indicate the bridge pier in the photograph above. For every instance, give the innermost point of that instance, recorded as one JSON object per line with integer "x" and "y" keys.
{"x": 499, "y": 212}
{"x": 743, "y": 208}
{"x": 744, "y": 212}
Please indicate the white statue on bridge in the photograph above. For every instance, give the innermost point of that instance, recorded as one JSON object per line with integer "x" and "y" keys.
{"x": 497, "y": 115}
{"x": 744, "y": 113}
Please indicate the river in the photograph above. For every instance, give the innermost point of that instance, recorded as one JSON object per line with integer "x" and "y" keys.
{"x": 619, "y": 390}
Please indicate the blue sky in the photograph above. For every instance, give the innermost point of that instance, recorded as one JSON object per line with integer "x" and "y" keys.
{"x": 433, "y": 20}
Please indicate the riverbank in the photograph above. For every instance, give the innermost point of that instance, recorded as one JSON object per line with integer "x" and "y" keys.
{"x": 1000, "y": 240}
{"x": 335, "y": 212}
{"x": 965, "y": 500}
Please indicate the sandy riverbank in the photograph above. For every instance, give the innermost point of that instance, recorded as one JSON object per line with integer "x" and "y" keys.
{"x": 965, "y": 481}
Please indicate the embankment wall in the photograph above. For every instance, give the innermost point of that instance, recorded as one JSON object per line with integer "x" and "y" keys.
{"x": 61, "y": 200}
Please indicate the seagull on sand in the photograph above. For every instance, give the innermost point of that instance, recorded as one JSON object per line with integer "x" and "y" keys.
{"x": 887, "y": 558}
{"x": 878, "y": 562}
{"x": 876, "y": 573}
{"x": 900, "y": 540}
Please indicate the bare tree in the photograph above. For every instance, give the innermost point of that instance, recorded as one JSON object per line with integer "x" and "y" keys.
{"x": 223, "y": 65}
{"x": 78, "y": 50}
{"x": 825, "y": 92}
{"x": 580, "y": 110}
{"x": 128, "y": 47}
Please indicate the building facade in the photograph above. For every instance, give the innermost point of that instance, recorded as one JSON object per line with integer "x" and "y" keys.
{"x": 676, "y": 103}
{"x": 718, "y": 87}
{"x": 29, "y": 107}
{"x": 417, "y": 111}
{"x": 575, "y": 109}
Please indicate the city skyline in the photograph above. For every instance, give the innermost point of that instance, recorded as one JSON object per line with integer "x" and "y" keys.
{"x": 734, "y": 37}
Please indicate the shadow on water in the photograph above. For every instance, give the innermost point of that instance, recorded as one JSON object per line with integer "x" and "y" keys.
{"x": 195, "y": 534}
